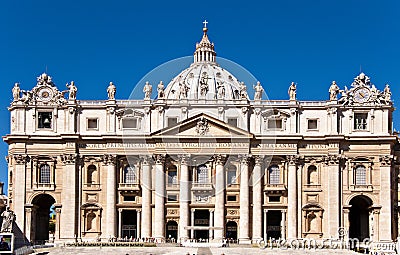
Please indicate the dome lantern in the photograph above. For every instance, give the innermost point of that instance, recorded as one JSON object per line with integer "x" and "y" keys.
{"x": 204, "y": 49}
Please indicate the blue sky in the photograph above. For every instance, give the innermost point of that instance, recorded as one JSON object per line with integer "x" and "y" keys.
{"x": 95, "y": 42}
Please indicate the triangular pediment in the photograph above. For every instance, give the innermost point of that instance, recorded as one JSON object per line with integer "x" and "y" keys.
{"x": 202, "y": 126}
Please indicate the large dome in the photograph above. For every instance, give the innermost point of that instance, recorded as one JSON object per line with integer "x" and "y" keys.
{"x": 205, "y": 79}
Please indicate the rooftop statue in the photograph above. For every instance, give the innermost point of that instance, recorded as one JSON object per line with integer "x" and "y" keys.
{"x": 258, "y": 91}
{"x": 333, "y": 91}
{"x": 160, "y": 90}
{"x": 387, "y": 94}
{"x": 148, "y": 89}
{"x": 243, "y": 90}
{"x": 16, "y": 91}
{"x": 111, "y": 90}
{"x": 292, "y": 91}
{"x": 72, "y": 90}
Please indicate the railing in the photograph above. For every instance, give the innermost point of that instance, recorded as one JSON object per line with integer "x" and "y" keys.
{"x": 129, "y": 186}
{"x": 44, "y": 186}
{"x": 202, "y": 186}
{"x": 172, "y": 186}
{"x": 233, "y": 186}
{"x": 275, "y": 187}
{"x": 312, "y": 186}
{"x": 91, "y": 186}
{"x": 362, "y": 187}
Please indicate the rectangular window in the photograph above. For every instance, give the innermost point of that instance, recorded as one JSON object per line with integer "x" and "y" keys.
{"x": 172, "y": 177}
{"x": 131, "y": 123}
{"x": 312, "y": 124}
{"x": 231, "y": 198}
{"x": 360, "y": 175}
{"x": 172, "y": 198}
{"x": 172, "y": 121}
{"x": 231, "y": 177}
{"x": 274, "y": 199}
{"x": 274, "y": 124}
{"x": 232, "y": 122}
{"x": 360, "y": 121}
{"x": 129, "y": 198}
{"x": 44, "y": 119}
{"x": 92, "y": 123}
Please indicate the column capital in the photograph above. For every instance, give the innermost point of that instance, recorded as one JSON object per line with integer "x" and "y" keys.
{"x": 138, "y": 210}
{"x": 386, "y": 160}
{"x": 69, "y": 158}
{"x": 159, "y": 159}
{"x": 258, "y": 160}
{"x": 220, "y": 159}
{"x": 146, "y": 159}
{"x": 21, "y": 159}
{"x": 332, "y": 159}
{"x": 109, "y": 159}
{"x": 245, "y": 159}
{"x": 211, "y": 210}
{"x": 292, "y": 159}
{"x": 185, "y": 159}
{"x": 193, "y": 210}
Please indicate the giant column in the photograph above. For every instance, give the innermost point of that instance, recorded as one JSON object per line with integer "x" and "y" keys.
{"x": 333, "y": 195}
{"x": 257, "y": 199}
{"x": 219, "y": 216}
{"x": 146, "y": 197}
{"x": 111, "y": 209}
{"x": 184, "y": 199}
{"x": 68, "y": 197}
{"x": 292, "y": 198}
{"x": 385, "y": 216}
{"x": 159, "y": 223}
{"x": 19, "y": 192}
{"x": 244, "y": 200}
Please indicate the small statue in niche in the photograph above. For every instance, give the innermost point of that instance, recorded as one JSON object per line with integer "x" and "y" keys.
{"x": 220, "y": 90}
{"x": 16, "y": 91}
{"x": 333, "y": 91}
{"x": 292, "y": 91}
{"x": 160, "y": 90}
{"x": 258, "y": 91}
{"x": 183, "y": 90}
{"x": 72, "y": 90}
{"x": 204, "y": 84}
{"x": 111, "y": 90}
{"x": 148, "y": 89}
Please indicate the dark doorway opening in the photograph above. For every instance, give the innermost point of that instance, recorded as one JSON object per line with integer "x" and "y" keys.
{"x": 274, "y": 218}
{"x": 201, "y": 218}
{"x": 42, "y": 218}
{"x": 231, "y": 230}
{"x": 359, "y": 217}
{"x": 129, "y": 227}
{"x": 172, "y": 231}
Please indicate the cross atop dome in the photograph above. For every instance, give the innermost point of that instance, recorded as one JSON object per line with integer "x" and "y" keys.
{"x": 204, "y": 49}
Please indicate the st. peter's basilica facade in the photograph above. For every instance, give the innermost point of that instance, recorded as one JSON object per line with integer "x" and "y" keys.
{"x": 202, "y": 159}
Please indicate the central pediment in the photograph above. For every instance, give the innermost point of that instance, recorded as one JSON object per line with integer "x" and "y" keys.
{"x": 202, "y": 126}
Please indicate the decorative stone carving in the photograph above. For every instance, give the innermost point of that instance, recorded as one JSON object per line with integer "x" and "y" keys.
{"x": 109, "y": 159}
{"x": 20, "y": 159}
{"x": 69, "y": 158}
{"x": 244, "y": 109}
{"x": 219, "y": 159}
{"x": 147, "y": 89}
{"x": 386, "y": 160}
{"x": 220, "y": 89}
{"x": 111, "y": 90}
{"x": 160, "y": 90}
{"x": 44, "y": 79}
{"x": 183, "y": 90}
{"x": 202, "y": 126}
{"x": 332, "y": 159}
{"x": 146, "y": 160}
{"x": 258, "y": 160}
{"x": 184, "y": 159}
{"x": 72, "y": 90}
{"x": 292, "y": 91}
{"x": 258, "y": 90}
{"x": 244, "y": 159}
{"x": 243, "y": 91}
{"x": 159, "y": 159}
{"x": 8, "y": 220}
{"x": 292, "y": 159}
{"x": 333, "y": 91}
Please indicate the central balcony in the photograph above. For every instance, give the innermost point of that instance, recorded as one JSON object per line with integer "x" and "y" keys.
{"x": 275, "y": 188}
{"x": 129, "y": 186}
{"x": 200, "y": 186}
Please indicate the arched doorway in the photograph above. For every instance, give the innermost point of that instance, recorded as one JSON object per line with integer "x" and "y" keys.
{"x": 172, "y": 230}
{"x": 231, "y": 230}
{"x": 42, "y": 218}
{"x": 359, "y": 217}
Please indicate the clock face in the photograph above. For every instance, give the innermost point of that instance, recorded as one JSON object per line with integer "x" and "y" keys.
{"x": 362, "y": 95}
{"x": 45, "y": 94}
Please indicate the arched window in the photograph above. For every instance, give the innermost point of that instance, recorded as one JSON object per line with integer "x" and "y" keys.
{"x": 231, "y": 178}
{"x": 202, "y": 174}
{"x": 172, "y": 175}
{"x": 91, "y": 221}
{"x": 44, "y": 173}
{"x": 274, "y": 175}
{"x": 312, "y": 175}
{"x": 91, "y": 172}
{"x": 360, "y": 175}
{"x": 130, "y": 174}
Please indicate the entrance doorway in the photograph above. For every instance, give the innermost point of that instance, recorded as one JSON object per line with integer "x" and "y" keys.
{"x": 201, "y": 218}
{"x": 42, "y": 221}
{"x": 359, "y": 217}
{"x": 129, "y": 221}
{"x": 172, "y": 230}
{"x": 274, "y": 218}
{"x": 231, "y": 230}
